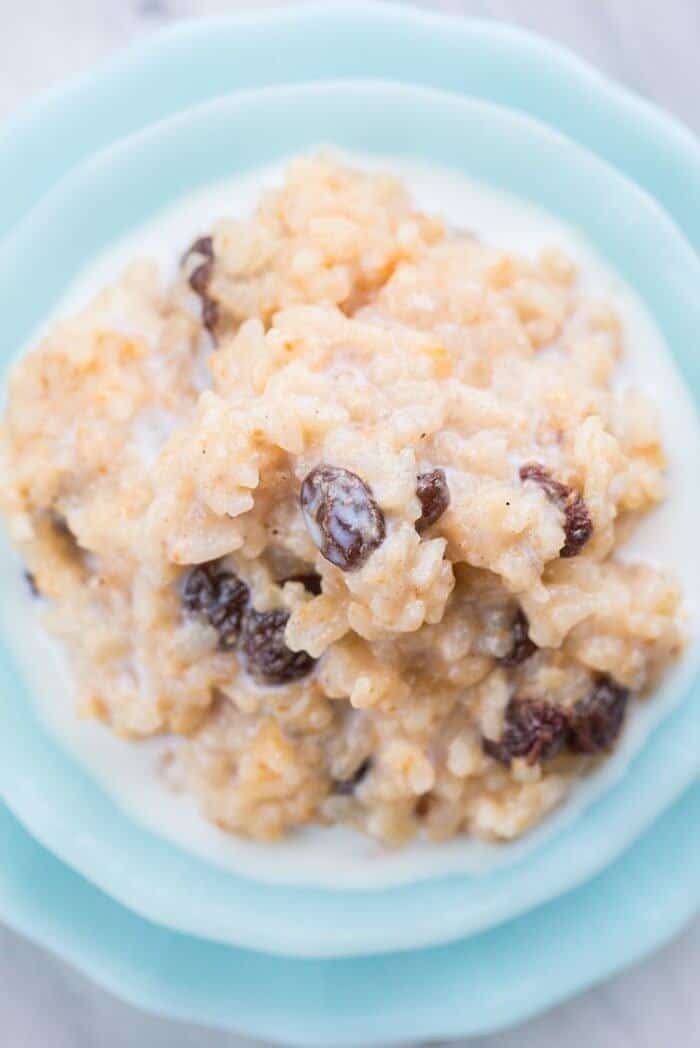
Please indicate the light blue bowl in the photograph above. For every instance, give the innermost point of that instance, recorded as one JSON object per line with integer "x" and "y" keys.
{"x": 606, "y": 925}
{"x": 116, "y": 190}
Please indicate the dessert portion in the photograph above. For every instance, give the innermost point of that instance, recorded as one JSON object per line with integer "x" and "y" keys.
{"x": 339, "y": 509}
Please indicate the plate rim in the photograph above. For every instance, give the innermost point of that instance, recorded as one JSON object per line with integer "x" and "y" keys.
{"x": 21, "y": 129}
{"x": 162, "y": 983}
{"x": 476, "y": 902}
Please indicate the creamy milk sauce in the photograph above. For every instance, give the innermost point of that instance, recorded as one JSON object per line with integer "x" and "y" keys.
{"x": 132, "y": 773}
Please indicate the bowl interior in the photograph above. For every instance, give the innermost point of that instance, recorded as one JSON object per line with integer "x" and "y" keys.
{"x": 117, "y": 191}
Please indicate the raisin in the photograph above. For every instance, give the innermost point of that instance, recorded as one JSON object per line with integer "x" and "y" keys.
{"x": 200, "y": 278}
{"x": 578, "y": 526}
{"x": 434, "y": 497}
{"x": 595, "y": 721}
{"x": 342, "y": 516}
{"x": 344, "y": 787}
{"x": 221, "y": 597}
{"x": 522, "y": 647}
{"x": 533, "y": 729}
{"x": 31, "y": 584}
{"x": 210, "y": 314}
{"x": 203, "y": 246}
{"x": 199, "y": 591}
{"x": 268, "y": 659}
{"x": 311, "y": 582}
{"x": 227, "y": 611}
{"x": 553, "y": 489}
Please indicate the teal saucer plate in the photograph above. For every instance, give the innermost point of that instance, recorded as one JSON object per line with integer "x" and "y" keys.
{"x": 476, "y": 986}
{"x": 196, "y": 60}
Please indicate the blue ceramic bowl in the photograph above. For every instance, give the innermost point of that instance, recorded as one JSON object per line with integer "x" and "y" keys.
{"x": 116, "y": 190}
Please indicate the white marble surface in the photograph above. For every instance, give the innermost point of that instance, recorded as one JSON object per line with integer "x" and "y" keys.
{"x": 653, "y": 47}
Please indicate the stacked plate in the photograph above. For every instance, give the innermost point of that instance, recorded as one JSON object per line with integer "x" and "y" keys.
{"x": 335, "y": 957}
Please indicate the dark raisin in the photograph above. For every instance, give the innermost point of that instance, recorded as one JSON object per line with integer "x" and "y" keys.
{"x": 342, "y": 516}
{"x": 595, "y": 721}
{"x": 578, "y": 526}
{"x": 199, "y": 590}
{"x": 200, "y": 277}
{"x": 221, "y": 597}
{"x": 533, "y": 729}
{"x": 344, "y": 787}
{"x": 553, "y": 489}
{"x": 434, "y": 497}
{"x": 203, "y": 246}
{"x": 210, "y": 314}
{"x": 311, "y": 582}
{"x": 522, "y": 647}
{"x": 31, "y": 584}
{"x": 227, "y": 611}
{"x": 268, "y": 659}
{"x": 199, "y": 260}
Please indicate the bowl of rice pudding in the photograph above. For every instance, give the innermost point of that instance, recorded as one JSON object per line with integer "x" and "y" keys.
{"x": 348, "y": 483}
